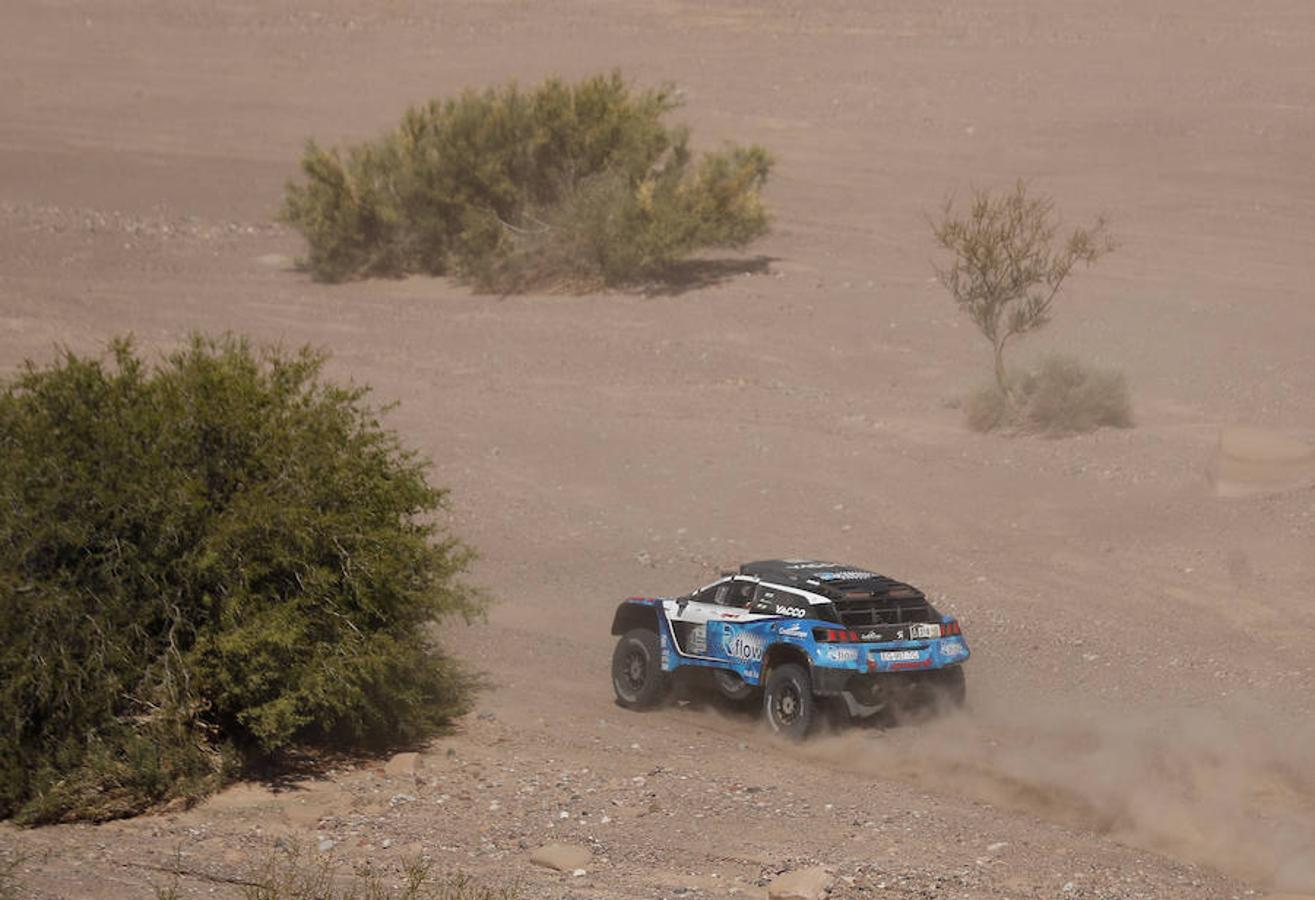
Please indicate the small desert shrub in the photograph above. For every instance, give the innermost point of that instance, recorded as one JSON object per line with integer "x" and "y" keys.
{"x": 1060, "y": 396}
{"x": 202, "y": 563}
{"x": 300, "y": 875}
{"x": 1010, "y": 262}
{"x": 10, "y": 887}
{"x": 573, "y": 185}
{"x": 987, "y": 408}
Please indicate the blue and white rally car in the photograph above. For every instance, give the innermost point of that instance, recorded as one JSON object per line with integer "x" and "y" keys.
{"x": 799, "y": 632}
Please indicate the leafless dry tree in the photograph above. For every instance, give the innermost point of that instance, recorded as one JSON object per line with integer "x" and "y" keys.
{"x": 1010, "y": 262}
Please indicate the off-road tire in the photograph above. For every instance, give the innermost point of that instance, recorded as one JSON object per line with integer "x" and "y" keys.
{"x": 637, "y": 676}
{"x": 788, "y": 702}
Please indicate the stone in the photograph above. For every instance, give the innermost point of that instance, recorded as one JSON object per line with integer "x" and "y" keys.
{"x": 277, "y": 261}
{"x": 1258, "y": 461}
{"x": 562, "y": 857}
{"x": 801, "y": 884}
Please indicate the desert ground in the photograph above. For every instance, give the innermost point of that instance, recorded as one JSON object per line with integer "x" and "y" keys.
{"x": 1141, "y": 719}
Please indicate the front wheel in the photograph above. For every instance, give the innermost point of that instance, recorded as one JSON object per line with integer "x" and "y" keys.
{"x": 637, "y": 675}
{"x": 788, "y": 702}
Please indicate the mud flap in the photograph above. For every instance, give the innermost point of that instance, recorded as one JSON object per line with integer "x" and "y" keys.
{"x": 859, "y": 710}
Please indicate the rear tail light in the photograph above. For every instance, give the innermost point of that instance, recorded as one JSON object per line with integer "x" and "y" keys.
{"x": 835, "y": 635}
{"x": 950, "y": 628}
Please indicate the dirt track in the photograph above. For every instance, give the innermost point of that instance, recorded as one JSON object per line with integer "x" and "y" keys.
{"x": 1143, "y": 721}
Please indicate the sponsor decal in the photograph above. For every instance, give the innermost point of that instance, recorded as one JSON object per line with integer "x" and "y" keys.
{"x": 791, "y": 611}
{"x": 833, "y": 575}
{"x": 742, "y": 645}
{"x": 698, "y": 640}
{"x": 840, "y": 654}
{"x": 917, "y": 632}
{"x": 880, "y": 637}
{"x": 793, "y": 630}
{"x": 899, "y": 655}
{"x": 953, "y": 649}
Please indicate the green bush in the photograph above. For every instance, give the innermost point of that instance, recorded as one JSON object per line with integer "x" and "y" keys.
{"x": 1060, "y": 396}
{"x": 565, "y": 185}
{"x": 203, "y": 563}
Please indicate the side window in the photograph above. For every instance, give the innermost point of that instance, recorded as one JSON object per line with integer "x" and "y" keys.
{"x": 738, "y": 594}
{"x": 713, "y": 593}
{"x": 776, "y": 601}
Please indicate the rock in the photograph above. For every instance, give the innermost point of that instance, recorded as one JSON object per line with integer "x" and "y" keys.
{"x": 403, "y": 765}
{"x": 1256, "y": 461}
{"x": 277, "y": 261}
{"x": 801, "y": 884}
{"x": 561, "y": 857}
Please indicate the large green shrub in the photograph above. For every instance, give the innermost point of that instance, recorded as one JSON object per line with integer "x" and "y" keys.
{"x": 563, "y": 185}
{"x": 204, "y": 562}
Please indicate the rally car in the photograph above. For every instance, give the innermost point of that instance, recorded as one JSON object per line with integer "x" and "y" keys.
{"x": 801, "y": 634}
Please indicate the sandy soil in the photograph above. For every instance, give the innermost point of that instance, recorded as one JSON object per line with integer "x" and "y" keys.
{"x": 1141, "y": 721}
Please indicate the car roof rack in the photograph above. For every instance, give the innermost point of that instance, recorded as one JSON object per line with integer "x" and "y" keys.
{"x": 835, "y": 580}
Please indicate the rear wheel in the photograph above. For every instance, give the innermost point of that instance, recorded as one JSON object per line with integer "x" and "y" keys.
{"x": 788, "y": 702}
{"x": 637, "y": 676}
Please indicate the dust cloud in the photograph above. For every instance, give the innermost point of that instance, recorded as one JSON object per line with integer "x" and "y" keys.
{"x": 1232, "y": 789}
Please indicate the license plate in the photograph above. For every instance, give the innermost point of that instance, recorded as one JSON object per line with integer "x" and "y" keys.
{"x": 900, "y": 656}
{"x": 917, "y": 632}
